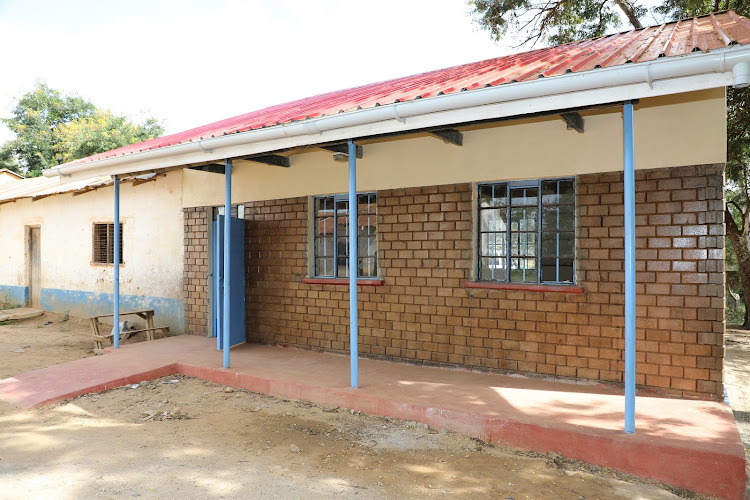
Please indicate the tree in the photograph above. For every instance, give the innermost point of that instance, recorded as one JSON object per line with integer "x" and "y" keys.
{"x": 51, "y": 128}
{"x": 98, "y": 132}
{"x": 553, "y": 21}
{"x": 34, "y": 120}
{"x": 737, "y": 214}
{"x": 562, "y": 21}
{"x": 6, "y": 161}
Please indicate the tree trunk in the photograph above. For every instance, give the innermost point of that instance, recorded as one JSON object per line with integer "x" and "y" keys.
{"x": 629, "y": 12}
{"x": 740, "y": 241}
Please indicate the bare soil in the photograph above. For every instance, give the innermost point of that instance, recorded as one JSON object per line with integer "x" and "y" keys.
{"x": 737, "y": 383}
{"x": 184, "y": 438}
{"x": 43, "y": 341}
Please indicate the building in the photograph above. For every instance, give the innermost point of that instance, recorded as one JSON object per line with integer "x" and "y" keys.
{"x": 56, "y": 248}
{"x": 7, "y": 176}
{"x": 505, "y": 220}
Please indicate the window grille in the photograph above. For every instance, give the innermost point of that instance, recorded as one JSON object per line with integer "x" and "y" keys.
{"x": 331, "y": 240}
{"x": 526, "y": 231}
{"x": 104, "y": 243}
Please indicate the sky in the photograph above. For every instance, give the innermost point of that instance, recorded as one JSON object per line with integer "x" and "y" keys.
{"x": 190, "y": 62}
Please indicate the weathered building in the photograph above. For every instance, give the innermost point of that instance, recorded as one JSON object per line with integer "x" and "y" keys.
{"x": 506, "y": 212}
{"x": 56, "y": 250}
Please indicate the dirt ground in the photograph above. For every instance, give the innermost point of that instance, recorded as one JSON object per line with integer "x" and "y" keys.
{"x": 184, "y": 438}
{"x": 42, "y": 341}
{"x": 737, "y": 383}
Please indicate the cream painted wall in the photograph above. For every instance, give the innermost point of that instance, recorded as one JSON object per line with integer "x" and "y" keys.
{"x": 686, "y": 129}
{"x": 152, "y": 242}
{"x": 6, "y": 177}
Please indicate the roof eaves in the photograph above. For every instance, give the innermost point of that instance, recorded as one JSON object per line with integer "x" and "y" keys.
{"x": 696, "y": 71}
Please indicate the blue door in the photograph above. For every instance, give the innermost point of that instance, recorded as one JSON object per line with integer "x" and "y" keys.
{"x": 236, "y": 281}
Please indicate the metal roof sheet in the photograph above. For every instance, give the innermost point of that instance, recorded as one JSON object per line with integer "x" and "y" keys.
{"x": 41, "y": 187}
{"x": 703, "y": 33}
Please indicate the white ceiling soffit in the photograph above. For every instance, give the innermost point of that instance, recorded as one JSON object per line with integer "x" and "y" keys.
{"x": 673, "y": 75}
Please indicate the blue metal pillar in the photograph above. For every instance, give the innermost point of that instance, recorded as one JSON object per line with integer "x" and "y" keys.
{"x": 116, "y": 263}
{"x": 353, "y": 223}
{"x": 227, "y": 246}
{"x": 629, "y": 198}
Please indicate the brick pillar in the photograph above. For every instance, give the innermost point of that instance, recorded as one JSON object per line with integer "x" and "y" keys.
{"x": 196, "y": 271}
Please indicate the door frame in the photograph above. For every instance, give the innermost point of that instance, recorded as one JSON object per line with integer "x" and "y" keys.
{"x": 34, "y": 286}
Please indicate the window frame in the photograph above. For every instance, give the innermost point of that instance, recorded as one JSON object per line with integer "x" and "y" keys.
{"x": 109, "y": 244}
{"x": 314, "y": 228}
{"x": 508, "y": 257}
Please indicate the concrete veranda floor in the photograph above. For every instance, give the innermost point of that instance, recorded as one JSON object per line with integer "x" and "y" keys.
{"x": 687, "y": 443}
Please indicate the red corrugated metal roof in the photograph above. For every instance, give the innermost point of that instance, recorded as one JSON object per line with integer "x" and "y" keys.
{"x": 703, "y": 33}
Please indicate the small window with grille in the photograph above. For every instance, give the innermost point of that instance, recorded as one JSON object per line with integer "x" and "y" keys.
{"x": 104, "y": 243}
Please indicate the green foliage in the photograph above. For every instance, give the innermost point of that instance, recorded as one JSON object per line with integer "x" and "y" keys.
{"x": 680, "y": 9}
{"x": 552, "y": 21}
{"x": 738, "y": 144}
{"x": 101, "y": 131}
{"x": 562, "y": 21}
{"x": 35, "y": 118}
{"x": 51, "y": 128}
{"x": 7, "y": 161}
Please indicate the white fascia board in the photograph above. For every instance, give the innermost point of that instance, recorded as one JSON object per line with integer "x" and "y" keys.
{"x": 665, "y": 76}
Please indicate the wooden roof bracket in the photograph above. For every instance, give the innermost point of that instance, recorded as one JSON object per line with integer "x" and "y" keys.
{"x": 448, "y": 135}
{"x": 275, "y": 160}
{"x": 574, "y": 121}
{"x": 343, "y": 149}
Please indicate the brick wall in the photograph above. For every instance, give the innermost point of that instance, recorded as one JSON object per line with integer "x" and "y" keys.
{"x": 423, "y": 313}
{"x": 679, "y": 275}
{"x": 196, "y": 271}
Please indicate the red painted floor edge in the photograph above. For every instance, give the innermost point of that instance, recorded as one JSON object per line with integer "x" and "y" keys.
{"x": 520, "y": 413}
{"x": 135, "y": 378}
{"x": 715, "y": 476}
{"x": 707, "y": 473}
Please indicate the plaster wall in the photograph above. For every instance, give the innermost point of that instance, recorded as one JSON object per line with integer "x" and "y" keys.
{"x": 685, "y": 129}
{"x": 151, "y": 275}
{"x": 6, "y": 177}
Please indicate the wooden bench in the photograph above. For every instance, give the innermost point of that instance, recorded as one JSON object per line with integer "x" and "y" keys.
{"x": 146, "y": 314}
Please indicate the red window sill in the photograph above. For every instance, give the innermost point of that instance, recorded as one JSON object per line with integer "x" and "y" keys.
{"x": 524, "y": 287}
{"x": 342, "y": 281}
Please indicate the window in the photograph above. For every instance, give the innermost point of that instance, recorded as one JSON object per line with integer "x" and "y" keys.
{"x": 526, "y": 250}
{"x": 331, "y": 229}
{"x": 104, "y": 243}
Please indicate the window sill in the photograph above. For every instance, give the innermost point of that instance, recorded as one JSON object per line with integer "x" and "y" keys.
{"x": 343, "y": 281}
{"x": 526, "y": 287}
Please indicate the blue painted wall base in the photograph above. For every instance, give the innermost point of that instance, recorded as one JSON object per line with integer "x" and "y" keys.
{"x": 14, "y": 295}
{"x": 167, "y": 311}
